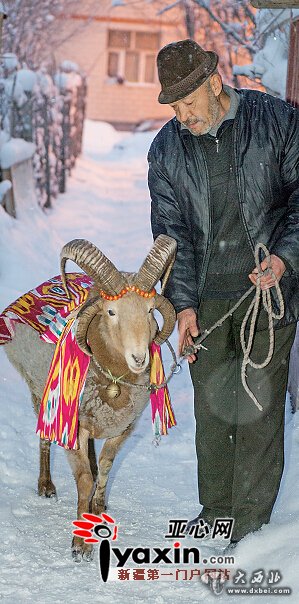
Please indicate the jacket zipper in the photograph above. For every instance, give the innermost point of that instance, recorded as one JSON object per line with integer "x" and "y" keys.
{"x": 234, "y": 157}
{"x": 206, "y": 257}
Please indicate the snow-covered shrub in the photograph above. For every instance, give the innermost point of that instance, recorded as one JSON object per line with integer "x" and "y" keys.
{"x": 270, "y": 62}
{"x": 72, "y": 87}
{"x": 48, "y": 112}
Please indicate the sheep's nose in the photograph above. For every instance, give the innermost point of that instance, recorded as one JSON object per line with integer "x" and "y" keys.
{"x": 139, "y": 360}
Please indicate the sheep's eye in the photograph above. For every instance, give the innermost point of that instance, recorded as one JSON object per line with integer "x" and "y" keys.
{"x": 111, "y": 312}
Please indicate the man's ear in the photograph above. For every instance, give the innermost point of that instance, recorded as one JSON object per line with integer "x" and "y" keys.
{"x": 216, "y": 83}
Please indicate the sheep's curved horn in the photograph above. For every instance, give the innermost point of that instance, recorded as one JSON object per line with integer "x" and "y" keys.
{"x": 94, "y": 263}
{"x": 159, "y": 261}
{"x": 168, "y": 313}
{"x": 84, "y": 318}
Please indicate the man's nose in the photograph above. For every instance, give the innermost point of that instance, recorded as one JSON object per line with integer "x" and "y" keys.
{"x": 184, "y": 114}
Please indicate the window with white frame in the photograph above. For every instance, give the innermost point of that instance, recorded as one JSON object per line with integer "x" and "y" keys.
{"x": 132, "y": 55}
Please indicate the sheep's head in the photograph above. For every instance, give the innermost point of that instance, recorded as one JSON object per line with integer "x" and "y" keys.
{"x": 125, "y": 319}
{"x": 127, "y": 326}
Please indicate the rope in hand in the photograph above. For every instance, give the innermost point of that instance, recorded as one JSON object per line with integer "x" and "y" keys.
{"x": 263, "y": 296}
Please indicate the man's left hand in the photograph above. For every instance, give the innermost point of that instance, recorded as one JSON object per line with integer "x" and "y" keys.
{"x": 267, "y": 281}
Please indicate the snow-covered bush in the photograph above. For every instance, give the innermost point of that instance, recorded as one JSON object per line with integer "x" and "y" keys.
{"x": 270, "y": 62}
{"x": 48, "y": 112}
{"x": 34, "y": 27}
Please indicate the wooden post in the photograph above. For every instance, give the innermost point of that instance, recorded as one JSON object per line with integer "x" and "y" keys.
{"x": 8, "y": 197}
{"x": 293, "y": 65}
{"x": 275, "y": 3}
{"x": 9, "y": 201}
{"x": 2, "y": 17}
{"x": 48, "y": 203}
{"x": 292, "y": 97}
{"x": 1, "y": 24}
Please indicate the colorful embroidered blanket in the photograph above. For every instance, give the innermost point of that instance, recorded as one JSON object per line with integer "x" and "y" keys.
{"x": 47, "y": 309}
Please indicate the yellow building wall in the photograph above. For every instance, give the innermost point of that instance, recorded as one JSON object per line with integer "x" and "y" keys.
{"x": 86, "y": 42}
{"x": 127, "y": 103}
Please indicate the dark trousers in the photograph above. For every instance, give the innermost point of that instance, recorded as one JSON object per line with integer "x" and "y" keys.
{"x": 240, "y": 449}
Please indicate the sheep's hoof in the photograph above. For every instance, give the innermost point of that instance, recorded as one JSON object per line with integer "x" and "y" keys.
{"x": 88, "y": 555}
{"x": 77, "y": 554}
{"x": 46, "y": 488}
{"x": 81, "y": 551}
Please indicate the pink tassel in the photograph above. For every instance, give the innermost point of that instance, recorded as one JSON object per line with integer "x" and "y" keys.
{"x": 162, "y": 412}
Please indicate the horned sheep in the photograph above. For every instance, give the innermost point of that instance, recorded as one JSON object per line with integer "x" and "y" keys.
{"x": 116, "y": 334}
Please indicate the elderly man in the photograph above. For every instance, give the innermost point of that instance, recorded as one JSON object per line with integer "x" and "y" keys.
{"x": 223, "y": 176}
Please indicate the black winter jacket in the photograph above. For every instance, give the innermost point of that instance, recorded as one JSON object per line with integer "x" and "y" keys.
{"x": 266, "y": 163}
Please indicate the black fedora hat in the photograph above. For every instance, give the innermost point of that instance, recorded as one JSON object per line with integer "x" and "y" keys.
{"x": 182, "y": 67}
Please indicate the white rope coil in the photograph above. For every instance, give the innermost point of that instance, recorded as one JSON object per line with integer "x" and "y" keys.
{"x": 253, "y": 310}
{"x": 263, "y": 296}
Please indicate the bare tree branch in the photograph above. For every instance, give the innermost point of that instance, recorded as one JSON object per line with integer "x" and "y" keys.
{"x": 33, "y": 28}
{"x": 248, "y": 12}
{"x": 168, "y": 7}
{"x": 229, "y": 31}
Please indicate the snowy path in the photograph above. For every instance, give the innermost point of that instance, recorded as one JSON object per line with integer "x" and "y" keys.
{"x": 107, "y": 203}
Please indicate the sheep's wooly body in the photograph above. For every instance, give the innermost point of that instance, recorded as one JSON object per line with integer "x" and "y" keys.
{"x": 103, "y": 419}
{"x": 117, "y": 335}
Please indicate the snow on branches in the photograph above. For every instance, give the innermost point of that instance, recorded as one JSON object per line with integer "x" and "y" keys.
{"x": 35, "y": 108}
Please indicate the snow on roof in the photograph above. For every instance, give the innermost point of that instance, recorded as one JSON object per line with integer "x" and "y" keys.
{"x": 15, "y": 151}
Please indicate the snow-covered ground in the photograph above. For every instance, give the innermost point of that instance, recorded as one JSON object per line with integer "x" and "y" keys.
{"x": 108, "y": 203}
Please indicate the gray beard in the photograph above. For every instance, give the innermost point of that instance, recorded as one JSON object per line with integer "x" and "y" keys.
{"x": 201, "y": 133}
{"x": 216, "y": 112}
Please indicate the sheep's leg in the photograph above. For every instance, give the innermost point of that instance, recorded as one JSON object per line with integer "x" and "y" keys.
{"x": 92, "y": 459}
{"x": 46, "y": 488}
{"x": 79, "y": 462}
{"x": 107, "y": 455}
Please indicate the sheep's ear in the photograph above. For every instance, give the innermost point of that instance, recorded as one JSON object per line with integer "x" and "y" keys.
{"x": 168, "y": 313}
{"x": 87, "y": 313}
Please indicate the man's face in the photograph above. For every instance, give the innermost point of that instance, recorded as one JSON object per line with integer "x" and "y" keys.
{"x": 200, "y": 110}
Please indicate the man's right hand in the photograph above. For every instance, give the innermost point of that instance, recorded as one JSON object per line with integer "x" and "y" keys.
{"x": 188, "y": 329}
